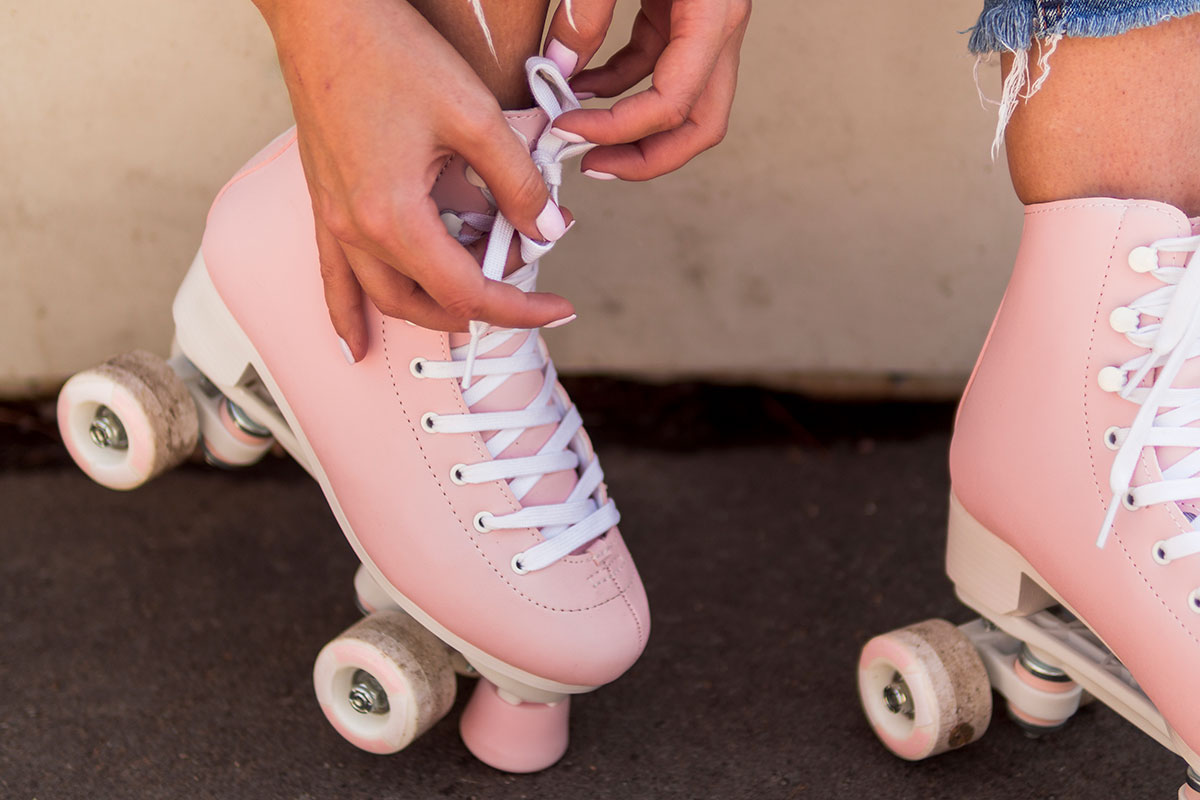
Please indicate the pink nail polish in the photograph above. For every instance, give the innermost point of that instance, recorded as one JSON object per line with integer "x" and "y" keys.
{"x": 558, "y": 323}
{"x": 600, "y": 176}
{"x": 567, "y": 136}
{"x": 581, "y": 96}
{"x": 566, "y": 58}
{"x": 550, "y": 223}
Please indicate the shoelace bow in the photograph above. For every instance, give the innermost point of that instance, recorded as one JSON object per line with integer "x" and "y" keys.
{"x": 584, "y": 515}
{"x": 1166, "y": 412}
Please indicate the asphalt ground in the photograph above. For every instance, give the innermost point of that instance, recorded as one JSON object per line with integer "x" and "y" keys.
{"x": 159, "y": 643}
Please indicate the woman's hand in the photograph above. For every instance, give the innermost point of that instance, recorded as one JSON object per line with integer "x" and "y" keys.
{"x": 691, "y": 47}
{"x": 381, "y": 100}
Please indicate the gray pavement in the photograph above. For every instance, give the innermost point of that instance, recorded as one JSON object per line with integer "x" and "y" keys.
{"x": 158, "y": 643}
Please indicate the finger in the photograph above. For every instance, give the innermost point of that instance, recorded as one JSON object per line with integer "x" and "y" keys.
{"x": 502, "y": 159}
{"x": 398, "y": 296}
{"x": 343, "y": 295}
{"x": 576, "y": 32}
{"x": 451, "y": 276}
{"x": 628, "y": 66}
{"x": 680, "y": 75}
{"x": 664, "y": 152}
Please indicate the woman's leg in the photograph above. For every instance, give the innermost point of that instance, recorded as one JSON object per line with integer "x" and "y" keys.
{"x": 495, "y": 37}
{"x": 1117, "y": 116}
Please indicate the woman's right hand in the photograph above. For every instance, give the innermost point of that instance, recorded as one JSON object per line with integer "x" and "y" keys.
{"x": 381, "y": 100}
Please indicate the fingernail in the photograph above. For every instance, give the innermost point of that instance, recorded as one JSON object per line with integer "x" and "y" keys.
{"x": 550, "y": 223}
{"x": 567, "y": 136}
{"x": 558, "y": 323}
{"x": 566, "y": 58}
{"x": 600, "y": 176}
{"x": 581, "y": 96}
{"x": 346, "y": 351}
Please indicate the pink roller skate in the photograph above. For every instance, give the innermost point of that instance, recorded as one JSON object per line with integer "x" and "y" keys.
{"x": 455, "y": 464}
{"x": 1075, "y": 468}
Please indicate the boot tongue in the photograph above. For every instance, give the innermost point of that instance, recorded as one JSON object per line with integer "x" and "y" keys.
{"x": 1188, "y": 378}
{"x": 459, "y": 189}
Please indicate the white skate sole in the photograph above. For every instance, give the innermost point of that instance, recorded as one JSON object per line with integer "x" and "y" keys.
{"x": 209, "y": 336}
{"x": 995, "y": 580}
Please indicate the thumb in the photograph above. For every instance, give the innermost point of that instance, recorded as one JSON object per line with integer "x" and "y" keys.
{"x": 576, "y": 33}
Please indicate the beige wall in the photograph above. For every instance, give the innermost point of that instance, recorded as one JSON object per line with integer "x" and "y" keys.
{"x": 851, "y": 225}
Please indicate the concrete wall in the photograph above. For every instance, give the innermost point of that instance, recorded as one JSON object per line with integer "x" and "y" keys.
{"x": 851, "y": 231}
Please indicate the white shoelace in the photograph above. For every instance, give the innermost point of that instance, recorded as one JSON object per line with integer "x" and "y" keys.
{"x": 584, "y": 514}
{"x": 1166, "y": 411}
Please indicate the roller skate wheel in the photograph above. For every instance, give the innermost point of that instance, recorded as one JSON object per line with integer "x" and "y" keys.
{"x": 232, "y": 439}
{"x": 127, "y": 420}
{"x": 384, "y": 682}
{"x": 1190, "y": 790}
{"x": 514, "y": 736}
{"x": 370, "y": 596}
{"x": 924, "y": 689}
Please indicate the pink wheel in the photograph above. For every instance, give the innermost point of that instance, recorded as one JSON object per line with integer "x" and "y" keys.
{"x": 1049, "y": 680}
{"x": 127, "y": 420}
{"x": 924, "y": 689}
{"x": 511, "y": 735}
{"x": 384, "y": 682}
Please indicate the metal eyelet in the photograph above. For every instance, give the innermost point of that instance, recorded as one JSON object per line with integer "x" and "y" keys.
{"x": 416, "y": 367}
{"x": 516, "y": 564}
{"x": 456, "y": 474}
{"x": 1112, "y": 438}
{"x": 427, "y": 420}
{"x": 1159, "y": 553}
{"x": 1129, "y": 500}
{"x": 481, "y": 522}
{"x": 1194, "y": 601}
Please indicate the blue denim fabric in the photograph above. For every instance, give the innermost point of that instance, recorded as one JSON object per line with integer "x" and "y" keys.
{"x": 1012, "y": 25}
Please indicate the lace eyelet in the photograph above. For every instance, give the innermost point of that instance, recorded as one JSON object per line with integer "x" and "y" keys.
{"x": 481, "y": 522}
{"x": 516, "y": 564}
{"x": 1112, "y": 438}
{"x": 1143, "y": 259}
{"x": 456, "y": 474}
{"x": 1129, "y": 500}
{"x": 416, "y": 367}
{"x": 1112, "y": 379}
{"x": 427, "y": 420}
{"x": 1159, "y": 553}
{"x": 1124, "y": 319}
{"x": 1194, "y": 601}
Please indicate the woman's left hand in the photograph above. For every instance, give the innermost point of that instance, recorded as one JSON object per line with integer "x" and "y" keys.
{"x": 690, "y": 47}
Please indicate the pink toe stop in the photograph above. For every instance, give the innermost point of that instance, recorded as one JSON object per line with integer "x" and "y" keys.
{"x": 514, "y": 737}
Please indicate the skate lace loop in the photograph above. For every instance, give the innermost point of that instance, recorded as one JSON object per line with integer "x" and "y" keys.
{"x": 1165, "y": 412}
{"x": 586, "y": 513}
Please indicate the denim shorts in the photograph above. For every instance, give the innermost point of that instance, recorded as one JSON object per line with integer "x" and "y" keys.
{"x": 1013, "y": 25}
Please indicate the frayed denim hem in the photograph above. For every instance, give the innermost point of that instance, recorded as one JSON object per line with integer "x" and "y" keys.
{"x": 1016, "y": 26}
{"x": 1012, "y": 25}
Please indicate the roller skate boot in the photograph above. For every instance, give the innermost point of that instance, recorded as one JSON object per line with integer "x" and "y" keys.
{"x": 455, "y": 464}
{"x": 1075, "y": 473}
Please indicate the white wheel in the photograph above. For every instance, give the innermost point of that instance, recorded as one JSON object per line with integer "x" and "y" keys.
{"x": 231, "y": 439}
{"x": 384, "y": 682}
{"x": 127, "y": 420}
{"x": 924, "y": 689}
{"x": 370, "y": 595}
